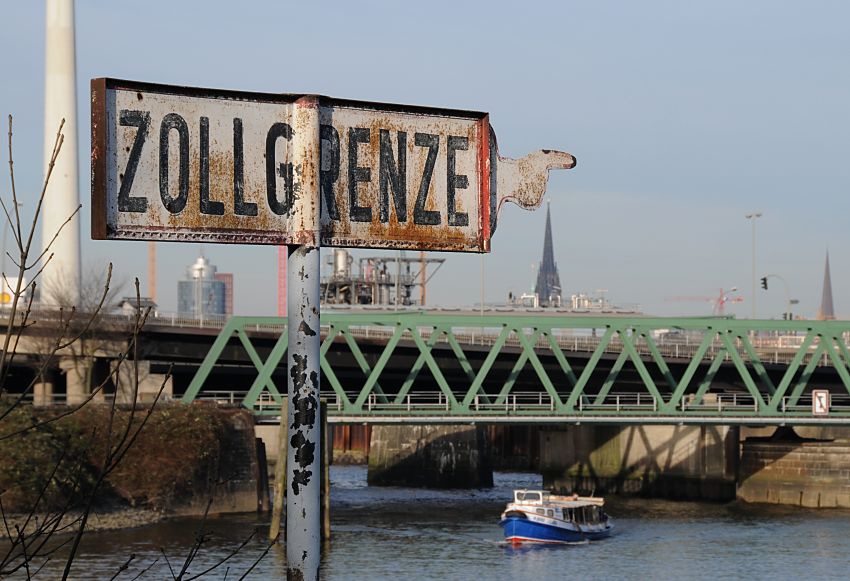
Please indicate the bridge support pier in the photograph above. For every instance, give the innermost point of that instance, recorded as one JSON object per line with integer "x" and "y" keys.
{"x": 805, "y": 467}
{"x": 149, "y": 383}
{"x": 42, "y": 393}
{"x": 77, "y": 372}
{"x": 680, "y": 462}
{"x": 430, "y": 457}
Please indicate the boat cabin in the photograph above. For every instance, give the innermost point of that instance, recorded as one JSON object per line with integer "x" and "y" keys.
{"x": 530, "y": 496}
{"x": 573, "y": 508}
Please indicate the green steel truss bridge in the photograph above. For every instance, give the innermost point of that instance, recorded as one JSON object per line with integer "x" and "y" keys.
{"x": 509, "y": 367}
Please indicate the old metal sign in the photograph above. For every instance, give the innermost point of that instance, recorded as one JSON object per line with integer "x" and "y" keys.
{"x": 174, "y": 163}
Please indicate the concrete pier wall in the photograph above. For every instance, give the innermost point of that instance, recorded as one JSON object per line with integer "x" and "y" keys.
{"x": 680, "y": 462}
{"x": 795, "y": 471}
{"x": 232, "y": 479}
{"x": 430, "y": 456}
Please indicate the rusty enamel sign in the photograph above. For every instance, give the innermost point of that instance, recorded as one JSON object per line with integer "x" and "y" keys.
{"x": 176, "y": 163}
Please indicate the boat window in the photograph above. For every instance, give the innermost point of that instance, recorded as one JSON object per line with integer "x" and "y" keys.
{"x": 527, "y": 496}
{"x": 541, "y": 511}
{"x": 550, "y": 512}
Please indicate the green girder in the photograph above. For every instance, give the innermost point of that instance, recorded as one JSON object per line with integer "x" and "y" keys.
{"x": 747, "y": 347}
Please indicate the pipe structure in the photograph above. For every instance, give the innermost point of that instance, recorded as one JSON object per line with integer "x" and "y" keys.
{"x": 61, "y": 277}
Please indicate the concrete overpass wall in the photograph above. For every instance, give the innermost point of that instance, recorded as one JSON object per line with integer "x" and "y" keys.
{"x": 807, "y": 467}
{"x": 682, "y": 462}
{"x": 430, "y": 456}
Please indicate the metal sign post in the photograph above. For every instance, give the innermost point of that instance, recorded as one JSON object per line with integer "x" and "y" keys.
{"x": 201, "y": 165}
{"x": 303, "y": 508}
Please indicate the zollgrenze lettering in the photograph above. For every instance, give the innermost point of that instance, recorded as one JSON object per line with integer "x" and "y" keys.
{"x": 142, "y": 120}
{"x": 357, "y": 213}
{"x": 170, "y": 122}
{"x": 420, "y": 214}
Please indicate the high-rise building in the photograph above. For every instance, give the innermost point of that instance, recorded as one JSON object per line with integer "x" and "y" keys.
{"x": 826, "y": 312}
{"x": 200, "y": 295}
{"x": 227, "y": 279}
{"x": 548, "y": 287}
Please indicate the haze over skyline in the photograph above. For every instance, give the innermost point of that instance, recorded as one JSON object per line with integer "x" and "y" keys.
{"x": 683, "y": 119}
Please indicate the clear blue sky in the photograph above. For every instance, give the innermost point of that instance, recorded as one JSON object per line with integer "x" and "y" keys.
{"x": 684, "y": 116}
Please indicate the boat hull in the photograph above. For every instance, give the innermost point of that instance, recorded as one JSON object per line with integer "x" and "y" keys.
{"x": 522, "y": 530}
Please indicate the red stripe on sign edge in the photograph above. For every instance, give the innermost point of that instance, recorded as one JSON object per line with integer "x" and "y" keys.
{"x": 484, "y": 184}
{"x": 99, "y": 130}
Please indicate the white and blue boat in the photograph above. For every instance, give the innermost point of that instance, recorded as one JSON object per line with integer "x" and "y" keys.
{"x": 537, "y": 516}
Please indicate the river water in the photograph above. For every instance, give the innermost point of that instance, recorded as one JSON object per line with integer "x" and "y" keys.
{"x": 396, "y": 533}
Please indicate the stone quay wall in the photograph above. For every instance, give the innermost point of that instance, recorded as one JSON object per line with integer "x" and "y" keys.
{"x": 813, "y": 474}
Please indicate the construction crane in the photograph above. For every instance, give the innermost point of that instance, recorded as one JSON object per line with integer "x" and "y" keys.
{"x": 718, "y": 301}
{"x": 151, "y": 270}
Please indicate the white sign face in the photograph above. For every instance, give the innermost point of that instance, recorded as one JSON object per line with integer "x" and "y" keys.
{"x": 196, "y": 165}
{"x": 820, "y": 402}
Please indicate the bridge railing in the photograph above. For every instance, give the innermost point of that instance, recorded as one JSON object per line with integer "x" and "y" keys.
{"x": 734, "y": 408}
{"x": 775, "y": 347}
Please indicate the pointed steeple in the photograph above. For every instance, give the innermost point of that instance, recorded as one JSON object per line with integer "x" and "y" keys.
{"x": 826, "y": 312}
{"x": 548, "y": 287}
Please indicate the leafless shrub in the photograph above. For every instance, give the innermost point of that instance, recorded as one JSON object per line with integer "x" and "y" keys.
{"x": 61, "y": 501}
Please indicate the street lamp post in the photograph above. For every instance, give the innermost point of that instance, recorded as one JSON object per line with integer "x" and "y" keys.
{"x": 752, "y": 216}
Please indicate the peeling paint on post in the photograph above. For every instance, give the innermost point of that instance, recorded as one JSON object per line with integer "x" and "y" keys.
{"x": 303, "y": 470}
{"x": 303, "y": 509}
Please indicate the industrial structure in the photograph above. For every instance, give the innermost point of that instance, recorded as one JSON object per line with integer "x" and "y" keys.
{"x": 205, "y": 293}
{"x": 60, "y": 232}
{"x": 281, "y": 281}
{"x": 718, "y": 301}
{"x": 378, "y": 280}
{"x": 152, "y": 270}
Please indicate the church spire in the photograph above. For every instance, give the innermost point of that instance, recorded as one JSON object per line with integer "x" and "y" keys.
{"x": 826, "y": 311}
{"x": 548, "y": 287}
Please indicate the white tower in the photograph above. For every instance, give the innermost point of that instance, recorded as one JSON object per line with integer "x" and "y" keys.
{"x": 60, "y": 282}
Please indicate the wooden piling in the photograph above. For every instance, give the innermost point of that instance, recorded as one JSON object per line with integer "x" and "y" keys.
{"x": 280, "y": 475}
{"x": 262, "y": 477}
{"x": 326, "y": 473}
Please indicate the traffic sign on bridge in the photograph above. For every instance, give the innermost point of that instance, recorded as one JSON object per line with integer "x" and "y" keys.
{"x": 175, "y": 163}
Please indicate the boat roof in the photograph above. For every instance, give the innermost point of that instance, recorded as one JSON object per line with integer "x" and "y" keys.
{"x": 546, "y": 497}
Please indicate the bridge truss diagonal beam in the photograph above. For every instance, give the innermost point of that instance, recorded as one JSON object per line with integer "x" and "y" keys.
{"x": 552, "y": 368}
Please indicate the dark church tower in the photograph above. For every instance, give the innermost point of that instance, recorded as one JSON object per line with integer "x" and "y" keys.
{"x": 548, "y": 286}
{"x": 826, "y": 311}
